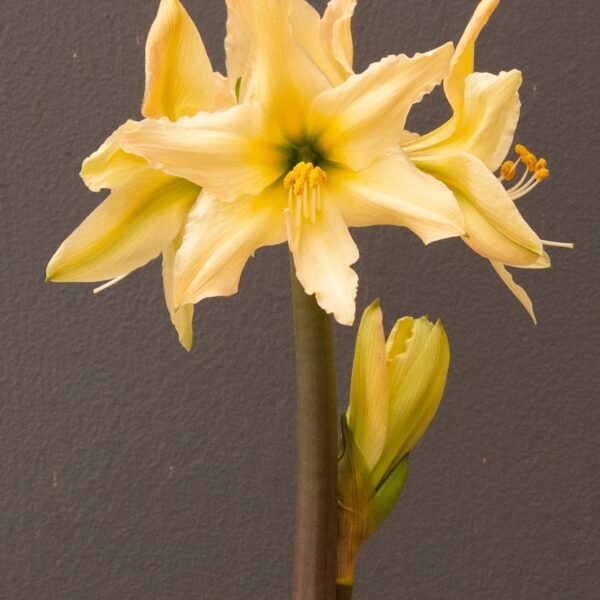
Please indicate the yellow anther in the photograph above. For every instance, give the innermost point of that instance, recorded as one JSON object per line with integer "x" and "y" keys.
{"x": 508, "y": 170}
{"x": 541, "y": 164}
{"x": 521, "y": 151}
{"x": 291, "y": 177}
{"x": 288, "y": 180}
{"x": 316, "y": 178}
{"x": 304, "y": 199}
{"x": 304, "y": 175}
{"x": 542, "y": 174}
{"x": 531, "y": 160}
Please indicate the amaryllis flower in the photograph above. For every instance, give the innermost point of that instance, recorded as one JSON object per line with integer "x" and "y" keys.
{"x": 146, "y": 211}
{"x": 309, "y": 152}
{"x": 466, "y": 152}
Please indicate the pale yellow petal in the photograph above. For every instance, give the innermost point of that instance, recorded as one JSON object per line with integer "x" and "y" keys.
{"x": 225, "y": 93}
{"x": 229, "y": 153}
{"x": 392, "y": 191}
{"x": 323, "y": 258}
{"x": 179, "y": 76}
{"x": 306, "y": 25}
{"x": 368, "y": 408}
{"x": 110, "y": 165}
{"x": 219, "y": 239}
{"x": 519, "y": 293}
{"x": 285, "y": 78}
{"x": 356, "y": 121}
{"x": 463, "y": 62}
{"x": 336, "y": 34}
{"x": 130, "y": 228}
{"x": 494, "y": 227}
{"x": 183, "y": 316}
{"x": 240, "y": 51}
{"x": 543, "y": 262}
{"x": 417, "y": 380}
{"x": 486, "y": 125}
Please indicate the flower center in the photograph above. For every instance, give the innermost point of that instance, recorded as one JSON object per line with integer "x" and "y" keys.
{"x": 536, "y": 171}
{"x": 303, "y": 183}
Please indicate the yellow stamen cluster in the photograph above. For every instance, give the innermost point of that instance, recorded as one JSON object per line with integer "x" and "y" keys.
{"x": 304, "y": 183}
{"x": 304, "y": 174}
{"x": 537, "y": 166}
{"x": 534, "y": 165}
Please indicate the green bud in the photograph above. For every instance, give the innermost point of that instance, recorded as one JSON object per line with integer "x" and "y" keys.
{"x": 395, "y": 392}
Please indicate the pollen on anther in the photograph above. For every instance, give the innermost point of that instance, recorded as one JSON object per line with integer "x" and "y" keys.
{"x": 317, "y": 177}
{"x": 521, "y": 150}
{"x": 508, "y": 170}
{"x": 531, "y": 162}
{"x": 304, "y": 184}
{"x": 536, "y": 168}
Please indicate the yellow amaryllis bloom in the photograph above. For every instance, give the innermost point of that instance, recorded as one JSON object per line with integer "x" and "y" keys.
{"x": 395, "y": 392}
{"x": 146, "y": 211}
{"x": 308, "y": 153}
{"x": 467, "y": 150}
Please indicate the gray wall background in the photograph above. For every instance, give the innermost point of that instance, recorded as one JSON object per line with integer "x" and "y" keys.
{"x": 132, "y": 470}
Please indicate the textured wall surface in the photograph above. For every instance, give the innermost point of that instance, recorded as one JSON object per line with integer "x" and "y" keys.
{"x": 130, "y": 469}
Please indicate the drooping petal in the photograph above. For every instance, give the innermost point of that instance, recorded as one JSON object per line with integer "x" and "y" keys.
{"x": 392, "y": 191}
{"x": 323, "y": 258}
{"x": 463, "y": 61}
{"x": 110, "y": 165}
{"x": 417, "y": 380}
{"x": 181, "y": 317}
{"x": 229, "y": 153}
{"x": 494, "y": 227}
{"x": 130, "y": 228}
{"x": 356, "y": 121}
{"x": 486, "y": 125}
{"x": 336, "y": 34}
{"x": 284, "y": 78}
{"x": 219, "y": 239}
{"x": 518, "y": 291}
{"x": 368, "y": 408}
{"x": 179, "y": 76}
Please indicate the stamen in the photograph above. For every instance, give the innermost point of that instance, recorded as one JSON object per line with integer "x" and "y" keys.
{"x": 508, "y": 170}
{"x": 536, "y": 171}
{"x": 568, "y": 245}
{"x": 303, "y": 183}
{"x": 108, "y": 284}
{"x": 531, "y": 161}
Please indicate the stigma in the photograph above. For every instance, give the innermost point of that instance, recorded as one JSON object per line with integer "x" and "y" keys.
{"x": 535, "y": 171}
{"x": 303, "y": 183}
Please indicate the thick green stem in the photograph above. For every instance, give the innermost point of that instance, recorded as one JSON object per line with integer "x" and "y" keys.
{"x": 316, "y": 508}
{"x": 344, "y": 592}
